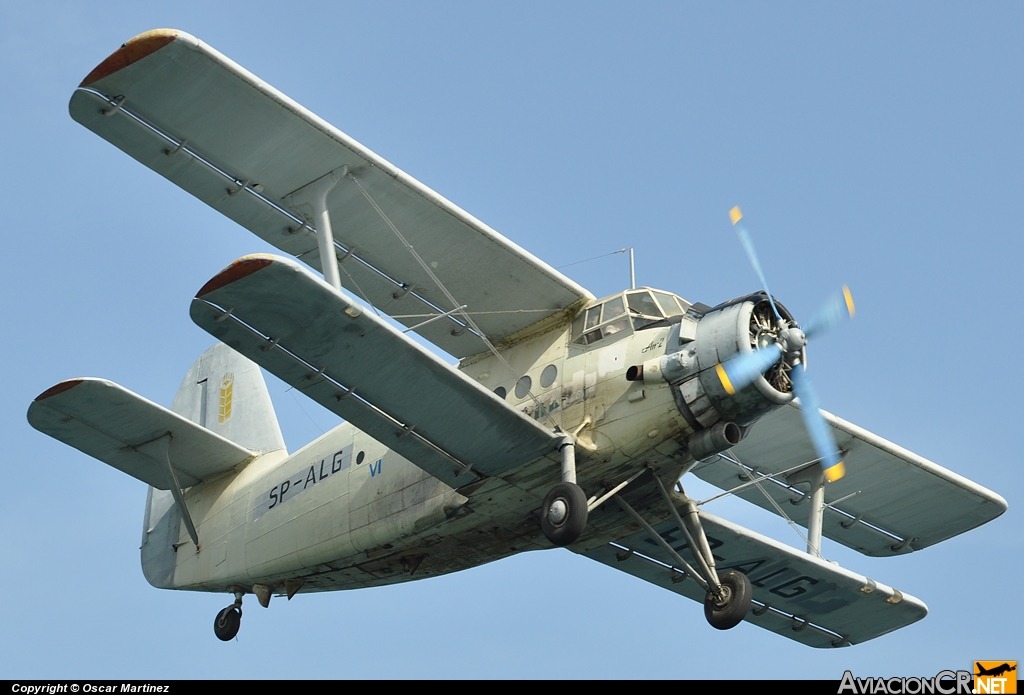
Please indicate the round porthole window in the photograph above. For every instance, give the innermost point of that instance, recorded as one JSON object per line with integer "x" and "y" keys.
{"x": 523, "y": 387}
{"x": 501, "y": 392}
{"x": 547, "y": 377}
{"x": 359, "y": 457}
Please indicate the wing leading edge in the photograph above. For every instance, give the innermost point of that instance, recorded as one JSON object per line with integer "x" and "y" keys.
{"x": 213, "y": 128}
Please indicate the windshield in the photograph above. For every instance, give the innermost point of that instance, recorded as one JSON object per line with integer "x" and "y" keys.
{"x": 610, "y": 316}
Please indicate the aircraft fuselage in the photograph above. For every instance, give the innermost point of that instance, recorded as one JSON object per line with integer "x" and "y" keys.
{"x": 346, "y": 512}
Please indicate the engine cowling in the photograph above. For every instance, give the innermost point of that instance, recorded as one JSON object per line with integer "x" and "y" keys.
{"x": 722, "y": 333}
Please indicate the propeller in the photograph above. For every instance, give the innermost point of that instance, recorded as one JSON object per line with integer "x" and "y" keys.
{"x": 743, "y": 369}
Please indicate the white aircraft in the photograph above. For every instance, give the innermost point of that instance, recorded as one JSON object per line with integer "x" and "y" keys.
{"x": 569, "y": 421}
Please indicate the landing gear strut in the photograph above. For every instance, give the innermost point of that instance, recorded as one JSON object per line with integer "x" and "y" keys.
{"x": 227, "y": 622}
{"x": 729, "y": 594}
{"x": 564, "y": 514}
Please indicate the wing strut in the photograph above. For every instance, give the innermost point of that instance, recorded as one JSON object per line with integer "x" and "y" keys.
{"x": 314, "y": 196}
{"x": 816, "y": 478}
{"x": 462, "y": 312}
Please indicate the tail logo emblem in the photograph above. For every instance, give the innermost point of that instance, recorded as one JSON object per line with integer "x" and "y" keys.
{"x": 227, "y": 388}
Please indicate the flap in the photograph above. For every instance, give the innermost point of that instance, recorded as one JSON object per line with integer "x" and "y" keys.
{"x": 299, "y": 328}
{"x": 244, "y": 147}
{"x": 891, "y": 501}
{"x": 132, "y": 434}
{"x": 795, "y": 595}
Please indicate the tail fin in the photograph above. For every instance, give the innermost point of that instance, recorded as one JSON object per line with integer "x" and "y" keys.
{"x": 225, "y": 393}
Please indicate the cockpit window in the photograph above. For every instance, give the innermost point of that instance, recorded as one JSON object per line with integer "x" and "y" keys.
{"x": 669, "y": 304}
{"x": 611, "y": 316}
{"x": 613, "y": 308}
{"x": 642, "y": 303}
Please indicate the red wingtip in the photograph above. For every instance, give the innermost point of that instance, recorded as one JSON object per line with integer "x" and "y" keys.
{"x": 131, "y": 51}
{"x": 59, "y": 388}
{"x": 236, "y": 271}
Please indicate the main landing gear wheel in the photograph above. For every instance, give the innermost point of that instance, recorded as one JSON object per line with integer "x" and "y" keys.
{"x": 564, "y": 514}
{"x": 226, "y": 625}
{"x": 729, "y": 608}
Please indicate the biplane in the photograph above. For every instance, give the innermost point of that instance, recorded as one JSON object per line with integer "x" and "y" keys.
{"x": 569, "y": 421}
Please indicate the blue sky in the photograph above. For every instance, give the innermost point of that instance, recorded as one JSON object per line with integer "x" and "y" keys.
{"x": 873, "y": 144}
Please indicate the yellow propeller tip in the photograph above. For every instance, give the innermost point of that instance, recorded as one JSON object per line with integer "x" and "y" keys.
{"x": 835, "y": 472}
{"x": 849, "y": 301}
{"x": 735, "y": 215}
{"x": 724, "y": 378}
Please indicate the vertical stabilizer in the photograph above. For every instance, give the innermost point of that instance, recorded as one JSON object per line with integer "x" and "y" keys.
{"x": 225, "y": 392}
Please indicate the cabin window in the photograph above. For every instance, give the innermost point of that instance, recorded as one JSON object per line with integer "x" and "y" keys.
{"x": 547, "y": 377}
{"x": 523, "y": 387}
{"x": 360, "y": 456}
{"x": 501, "y": 392}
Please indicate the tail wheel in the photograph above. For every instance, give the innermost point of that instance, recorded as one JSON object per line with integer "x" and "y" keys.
{"x": 226, "y": 625}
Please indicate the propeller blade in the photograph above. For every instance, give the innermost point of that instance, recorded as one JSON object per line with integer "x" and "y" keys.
{"x": 821, "y": 434}
{"x": 744, "y": 368}
{"x": 736, "y": 216}
{"x": 838, "y": 308}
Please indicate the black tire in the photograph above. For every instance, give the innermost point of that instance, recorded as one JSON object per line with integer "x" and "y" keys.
{"x": 227, "y": 622}
{"x": 567, "y": 529}
{"x": 731, "y": 608}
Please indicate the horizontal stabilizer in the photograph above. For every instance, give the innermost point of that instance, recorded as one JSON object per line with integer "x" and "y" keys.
{"x": 795, "y": 595}
{"x": 890, "y": 502}
{"x": 352, "y": 362}
{"x": 132, "y": 434}
{"x": 242, "y": 147}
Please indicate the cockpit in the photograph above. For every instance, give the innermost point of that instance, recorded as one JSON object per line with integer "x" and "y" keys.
{"x": 632, "y": 309}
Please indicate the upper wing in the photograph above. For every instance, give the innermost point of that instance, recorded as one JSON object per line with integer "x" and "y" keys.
{"x": 796, "y": 595}
{"x": 132, "y": 434}
{"x": 302, "y": 330}
{"x": 190, "y": 114}
{"x": 891, "y": 500}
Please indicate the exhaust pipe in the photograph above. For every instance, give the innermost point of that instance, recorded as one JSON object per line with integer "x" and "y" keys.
{"x": 715, "y": 439}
